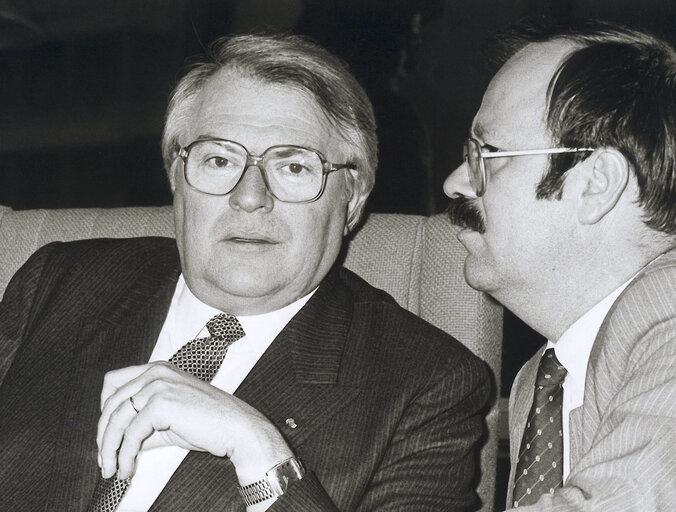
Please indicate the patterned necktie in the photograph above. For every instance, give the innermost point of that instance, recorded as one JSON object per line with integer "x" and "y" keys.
{"x": 540, "y": 466}
{"x": 201, "y": 357}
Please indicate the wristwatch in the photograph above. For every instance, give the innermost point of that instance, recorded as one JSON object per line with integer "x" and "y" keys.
{"x": 275, "y": 483}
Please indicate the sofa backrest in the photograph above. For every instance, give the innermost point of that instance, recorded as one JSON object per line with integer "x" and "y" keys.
{"x": 416, "y": 259}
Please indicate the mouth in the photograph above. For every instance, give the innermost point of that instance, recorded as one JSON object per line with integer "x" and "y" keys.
{"x": 241, "y": 236}
{"x": 248, "y": 240}
{"x": 249, "y": 243}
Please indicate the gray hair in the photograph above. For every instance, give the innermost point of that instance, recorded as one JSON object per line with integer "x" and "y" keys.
{"x": 286, "y": 60}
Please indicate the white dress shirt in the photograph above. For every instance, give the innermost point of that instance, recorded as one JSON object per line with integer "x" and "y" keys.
{"x": 572, "y": 350}
{"x": 186, "y": 320}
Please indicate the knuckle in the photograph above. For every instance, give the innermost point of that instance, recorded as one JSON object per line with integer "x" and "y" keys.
{"x": 117, "y": 417}
{"x": 156, "y": 402}
{"x": 159, "y": 369}
{"x": 154, "y": 371}
{"x": 156, "y": 386}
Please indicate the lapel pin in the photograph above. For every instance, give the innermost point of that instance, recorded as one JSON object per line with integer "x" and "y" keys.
{"x": 291, "y": 422}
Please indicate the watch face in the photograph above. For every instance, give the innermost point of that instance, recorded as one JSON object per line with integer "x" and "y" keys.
{"x": 275, "y": 483}
{"x": 283, "y": 475}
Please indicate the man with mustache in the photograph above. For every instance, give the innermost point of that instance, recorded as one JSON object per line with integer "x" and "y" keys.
{"x": 567, "y": 203}
{"x": 237, "y": 367}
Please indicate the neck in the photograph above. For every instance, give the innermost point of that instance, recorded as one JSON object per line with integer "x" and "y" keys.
{"x": 551, "y": 307}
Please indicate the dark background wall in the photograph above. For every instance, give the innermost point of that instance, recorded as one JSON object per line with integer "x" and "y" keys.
{"x": 84, "y": 85}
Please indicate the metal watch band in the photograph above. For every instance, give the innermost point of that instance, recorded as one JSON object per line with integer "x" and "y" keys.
{"x": 256, "y": 492}
{"x": 275, "y": 483}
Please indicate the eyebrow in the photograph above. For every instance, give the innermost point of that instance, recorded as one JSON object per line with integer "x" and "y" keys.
{"x": 289, "y": 151}
{"x": 479, "y": 132}
{"x": 209, "y": 137}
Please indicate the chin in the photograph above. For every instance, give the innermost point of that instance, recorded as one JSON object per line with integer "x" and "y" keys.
{"x": 479, "y": 275}
{"x": 245, "y": 284}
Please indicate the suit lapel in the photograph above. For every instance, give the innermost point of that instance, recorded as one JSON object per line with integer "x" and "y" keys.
{"x": 123, "y": 335}
{"x": 604, "y": 374}
{"x": 298, "y": 376}
{"x": 524, "y": 387}
{"x": 612, "y": 346}
{"x": 607, "y": 346}
{"x": 575, "y": 437}
{"x": 296, "y": 379}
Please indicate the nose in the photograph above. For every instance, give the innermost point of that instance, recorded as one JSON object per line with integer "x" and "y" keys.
{"x": 457, "y": 184}
{"x": 251, "y": 193}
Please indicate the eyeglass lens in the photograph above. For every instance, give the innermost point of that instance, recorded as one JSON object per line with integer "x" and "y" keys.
{"x": 292, "y": 173}
{"x": 472, "y": 153}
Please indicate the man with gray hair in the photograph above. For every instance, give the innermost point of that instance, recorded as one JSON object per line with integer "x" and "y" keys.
{"x": 237, "y": 366}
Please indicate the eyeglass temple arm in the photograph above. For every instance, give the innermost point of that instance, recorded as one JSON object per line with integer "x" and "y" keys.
{"x": 329, "y": 167}
{"x": 524, "y": 152}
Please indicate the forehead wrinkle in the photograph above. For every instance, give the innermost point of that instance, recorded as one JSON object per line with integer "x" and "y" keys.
{"x": 212, "y": 135}
{"x": 259, "y": 115}
{"x": 303, "y": 130}
{"x": 215, "y": 115}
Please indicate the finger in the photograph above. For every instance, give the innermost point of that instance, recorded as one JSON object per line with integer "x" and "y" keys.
{"x": 113, "y": 433}
{"x": 138, "y": 377}
{"x": 150, "y": 419}
{"x": 113, "y": 427}
{"x": 115, "y": 379}
{"x": 139, "y": 429}
{"x": 114, "y": 402}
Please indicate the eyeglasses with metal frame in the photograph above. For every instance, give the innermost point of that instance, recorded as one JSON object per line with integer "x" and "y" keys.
{"x": 474, "y": 155}
{"x": 292, "y": 174}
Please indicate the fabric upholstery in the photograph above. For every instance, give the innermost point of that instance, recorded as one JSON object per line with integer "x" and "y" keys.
{"x": 416, "y": 259}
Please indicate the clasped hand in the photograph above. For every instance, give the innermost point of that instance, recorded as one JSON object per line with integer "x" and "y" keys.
{"x": 178, "y": 409}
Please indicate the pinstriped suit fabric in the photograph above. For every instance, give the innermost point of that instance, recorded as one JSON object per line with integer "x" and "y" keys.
{"x": 623, "y": 438}
{"x": 60, "y": 386}
{"x": 418, "y": 260}
{"x": 388, "y": 408}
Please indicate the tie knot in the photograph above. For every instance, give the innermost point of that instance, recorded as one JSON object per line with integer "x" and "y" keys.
{"x": 225, "y": 327}
{"x": 551, "y": 372}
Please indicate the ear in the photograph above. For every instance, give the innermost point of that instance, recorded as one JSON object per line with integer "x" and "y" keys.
{"x": 173, "y": 174}
{"x": 603, "y": 183}
{"x": 355, "y": 201}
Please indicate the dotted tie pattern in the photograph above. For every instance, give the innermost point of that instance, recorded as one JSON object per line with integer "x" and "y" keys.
{"x": 539, "y": 469}
{"x": 201, "y": 357}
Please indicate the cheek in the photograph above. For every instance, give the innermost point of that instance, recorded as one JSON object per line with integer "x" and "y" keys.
{"x": 311, "y": 235}
{"x": 508, "y": 233}
{"x": 318, "y": 238}
{"x": 194, "y": 218}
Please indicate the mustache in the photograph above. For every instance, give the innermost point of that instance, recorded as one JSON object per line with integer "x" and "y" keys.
{"x": 463, "y": 213}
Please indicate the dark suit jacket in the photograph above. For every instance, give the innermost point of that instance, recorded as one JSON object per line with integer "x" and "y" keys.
{"x": 387, "y": 407}
{"x": 623, "y": 437}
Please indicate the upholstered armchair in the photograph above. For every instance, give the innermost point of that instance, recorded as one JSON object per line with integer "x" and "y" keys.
{"x": 416, "y": 259}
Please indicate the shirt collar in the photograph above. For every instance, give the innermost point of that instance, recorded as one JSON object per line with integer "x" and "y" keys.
{"x": 268, "y": 325}
{"x": 192, "y": 315}
{"x": 574, "y": 346}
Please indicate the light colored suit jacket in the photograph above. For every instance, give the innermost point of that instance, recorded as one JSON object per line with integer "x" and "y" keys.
{"x": 623, "y": 437}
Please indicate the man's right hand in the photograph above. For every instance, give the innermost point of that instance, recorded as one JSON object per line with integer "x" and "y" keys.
{"x": 178, "y": 409}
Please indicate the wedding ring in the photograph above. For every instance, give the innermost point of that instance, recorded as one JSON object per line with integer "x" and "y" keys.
{"x": 131, "y": 401}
